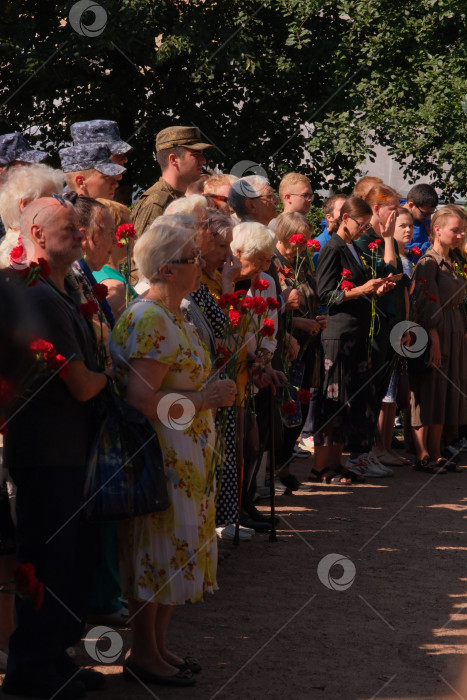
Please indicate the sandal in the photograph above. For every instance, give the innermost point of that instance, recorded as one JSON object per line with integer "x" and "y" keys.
{"x": 189, "y": 664}
{"x": 425, "y": 465}
{"x": 325, "y": 476}
{"x": 345, "y": 477}
{"x": 449, "y": 465}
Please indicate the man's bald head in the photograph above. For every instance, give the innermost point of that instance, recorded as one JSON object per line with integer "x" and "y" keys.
{"x": 40, "y": 212}
{"x": 52, "y": 227}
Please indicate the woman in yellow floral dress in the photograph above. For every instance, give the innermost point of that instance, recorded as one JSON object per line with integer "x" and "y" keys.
{"x": 162, "y": 368}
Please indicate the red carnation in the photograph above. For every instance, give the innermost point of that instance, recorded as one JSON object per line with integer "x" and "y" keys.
{"x": 432, "y": 298}
{"x": 378, "y": 241}
{"x": 100, "y": 291}
{"x": 124, "y": 234}
{"x": 18, "y": 254}
{"x": 304, "y": 396}
{"x": 41, "y": 346}
{"x": 240, "y": 293}
{"x": 372, "y": 246}
{"x": 346, "y": 274}
{"x": 267, "y": 330}
{"x": 272, "y": 303}
{"x": 234, "y": 317}
{"x": 27, "y": 584}
{"x": 416, "y": 251}
{"x": 422, "y": 280}
{"x": 59, "y": 362}
{"x": 425, "y": 292}
{"x": 289, "y": 408}
{"x": 89, "y": 308}
{"x": 297, "y": 238}
{"x": 247, "y": 303}
{"x": 260, "y": 305}
{"x": 227, "y": 299}
{"x": 313, "y": 244}
{"x": 260, "y": 285}
{"x": 347, "y": 285}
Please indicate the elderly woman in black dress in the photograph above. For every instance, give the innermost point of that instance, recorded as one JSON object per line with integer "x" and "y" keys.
{"x": 345, "y": 288}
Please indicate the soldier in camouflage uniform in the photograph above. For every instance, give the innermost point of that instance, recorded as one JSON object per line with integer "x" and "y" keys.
{"x": 89, "y": 171}
{"x": 179, "y": 152}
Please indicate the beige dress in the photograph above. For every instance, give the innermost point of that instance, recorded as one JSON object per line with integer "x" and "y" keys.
{"x": 439, "y": 396}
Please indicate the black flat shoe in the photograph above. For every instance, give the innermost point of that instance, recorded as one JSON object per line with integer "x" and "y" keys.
{"x": 132, "y": 672}
{"x": 189, "y": 664}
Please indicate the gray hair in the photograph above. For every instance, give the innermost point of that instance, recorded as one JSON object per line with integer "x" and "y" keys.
{"x": 27, "y": 182}
{"x": 249, "y": 187}
{"x": 251, "y": 238}
{"x": 219, "y": 223}
{"x": 162, "y": 242}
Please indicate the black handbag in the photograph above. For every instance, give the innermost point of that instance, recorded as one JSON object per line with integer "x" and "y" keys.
{"x": 125, "y": 470}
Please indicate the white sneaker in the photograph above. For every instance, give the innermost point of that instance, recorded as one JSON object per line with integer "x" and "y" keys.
{"x": 358, "y": 465}
{"x": 228, "y": 532}
{"x": 307, "y": 444}
{"x": 373, "y": 459}
{"x": 364, "y": 466}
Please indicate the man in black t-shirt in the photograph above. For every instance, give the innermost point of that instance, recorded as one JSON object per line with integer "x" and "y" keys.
{"x": 45, "y": 451}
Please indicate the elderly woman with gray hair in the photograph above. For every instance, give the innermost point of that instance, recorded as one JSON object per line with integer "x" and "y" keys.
{"x": 23, "y": 185}
{"x": 170, "y": 557}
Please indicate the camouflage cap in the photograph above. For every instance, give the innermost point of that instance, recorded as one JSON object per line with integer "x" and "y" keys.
{"x": 88, "y": 156}
{"x": 188, "y": 136}
{"x": 102, "y": 132}
{"x": 14, "y": 147}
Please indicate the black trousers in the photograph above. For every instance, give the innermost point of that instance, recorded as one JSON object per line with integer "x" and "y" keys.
{"x": 51, "y": 535}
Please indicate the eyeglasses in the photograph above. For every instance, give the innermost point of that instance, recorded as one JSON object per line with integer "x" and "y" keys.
{"x": 426, "y": 214}
{"x": 271, "y": 196}
{"x": 361, "y": 226}
{"x": 58, "y": 197}
{"x": 306, "y": 197}
{"x": 195, "y": 260}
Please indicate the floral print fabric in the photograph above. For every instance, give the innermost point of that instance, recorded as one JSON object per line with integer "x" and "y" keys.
{"x": 170, "y": 557}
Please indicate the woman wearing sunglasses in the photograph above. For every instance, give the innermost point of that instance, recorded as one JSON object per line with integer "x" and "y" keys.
{"x": 168, "y": 558}
{"x": 345, "y": 290}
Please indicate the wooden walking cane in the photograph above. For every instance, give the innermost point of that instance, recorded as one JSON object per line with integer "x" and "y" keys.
{"x": 240, "y": 418}
{"x": 272, "y": 466}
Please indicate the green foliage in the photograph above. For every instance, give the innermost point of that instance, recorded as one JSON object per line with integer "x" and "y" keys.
{"x": 264, "y": 81}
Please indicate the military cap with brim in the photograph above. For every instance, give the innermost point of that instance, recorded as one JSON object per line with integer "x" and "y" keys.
{"x": 14, "y": 147}
{"x": 89, "y": 156}
{"x": 188, "y": 136}
{"x": 102, "y": 132}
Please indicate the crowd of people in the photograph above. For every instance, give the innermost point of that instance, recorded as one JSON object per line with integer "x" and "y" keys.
{"x": 215, "y": 290}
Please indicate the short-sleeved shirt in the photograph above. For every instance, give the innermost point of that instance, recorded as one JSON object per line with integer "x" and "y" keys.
{"x": 152, "y": 203}
{"x": 50, "y": 427}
